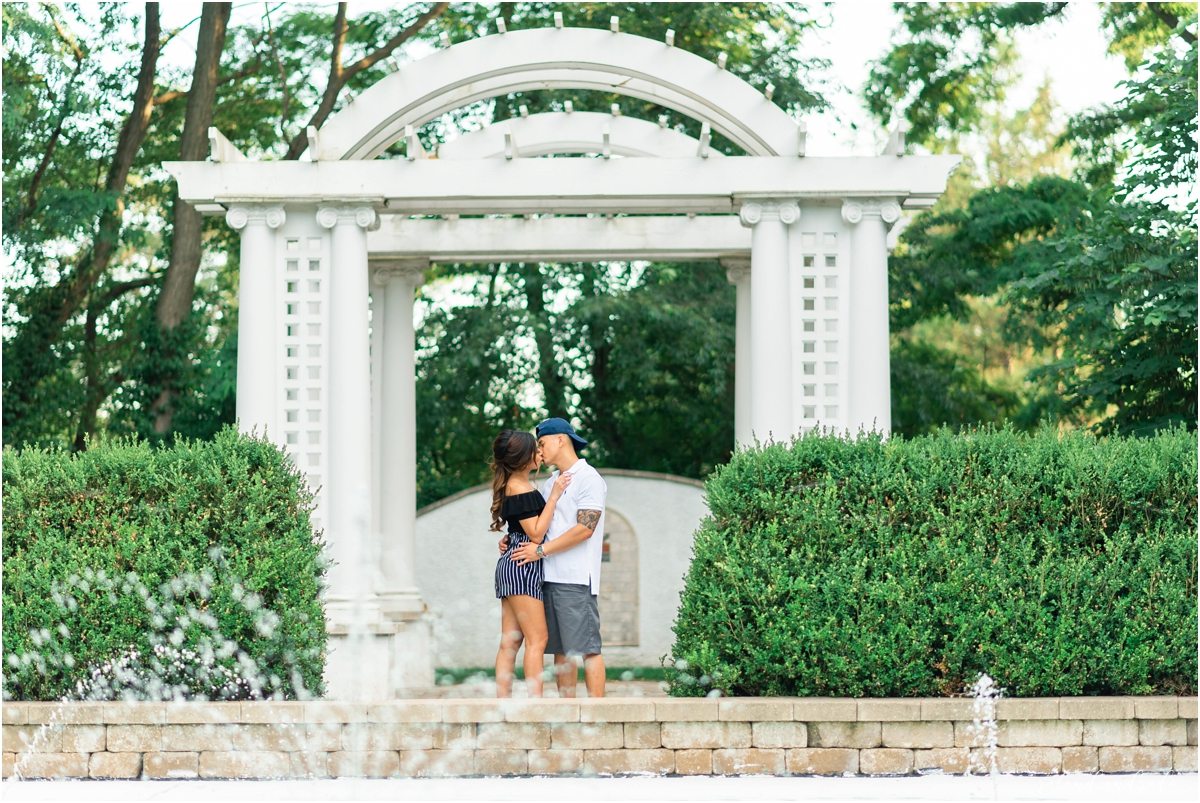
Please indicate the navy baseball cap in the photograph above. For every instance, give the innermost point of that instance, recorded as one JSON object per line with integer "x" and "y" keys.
{"x": 557, "y": 426}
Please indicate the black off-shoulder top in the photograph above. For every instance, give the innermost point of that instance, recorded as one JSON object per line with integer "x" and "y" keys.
{"x": 521, "y": 506}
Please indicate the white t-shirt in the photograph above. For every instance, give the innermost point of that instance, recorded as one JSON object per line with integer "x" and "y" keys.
{"x": 579, "y": 565}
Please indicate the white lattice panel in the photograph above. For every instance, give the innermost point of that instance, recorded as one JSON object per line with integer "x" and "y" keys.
{"x": 303, "y": 313}
{"x": 823, "y": 292}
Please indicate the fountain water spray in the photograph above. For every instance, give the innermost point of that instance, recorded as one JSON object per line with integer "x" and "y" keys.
{"x": 189, "y": 657}
{"x": 984, "y": 731}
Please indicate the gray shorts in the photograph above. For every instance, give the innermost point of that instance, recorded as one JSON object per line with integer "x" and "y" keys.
{"x": 572, "y": 619}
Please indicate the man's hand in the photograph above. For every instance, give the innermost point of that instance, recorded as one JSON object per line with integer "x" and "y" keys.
{"x": 525, "y": 553}
{"x": 503, "y": 544}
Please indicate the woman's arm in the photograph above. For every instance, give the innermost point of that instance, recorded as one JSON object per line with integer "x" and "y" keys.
{"x": 537, "y": 527}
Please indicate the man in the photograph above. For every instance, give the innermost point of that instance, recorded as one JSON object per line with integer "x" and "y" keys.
{"x": 571, "y": 551}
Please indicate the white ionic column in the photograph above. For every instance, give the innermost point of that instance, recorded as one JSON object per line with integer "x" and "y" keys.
{"x": 412, "y": 662}
{"x": 770, "y": 327}
{"x": 358, "y": 667}
{"x": 737, "y": 271}
{"x": 869, "y": 369}
{"x": 256, "y": 368}
{"x": 398, "y": 280}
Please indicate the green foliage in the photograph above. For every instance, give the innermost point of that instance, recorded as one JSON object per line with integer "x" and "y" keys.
{"x": 1057, "y": 564}
{"x": 79, "y": 351}
{"x": 953, "y": 60}
{"x": 87, "y": 534}
{"x": 1123, "y": 292}
{"x": 470, "y": 374}
{"x": 999, "y": 236}
{"x": 661, "y": 370}
{"x": 1101, "y": 274}
{"x": 1151, "y": 132}
{"x": 1094, "y": 271}
{"x": 61, "y": 110}
{"x": 644, "y": 355}
{"x": 1136, "y": 28}
{"x": 198, "y": 358}
{"x": 932, "y": 388}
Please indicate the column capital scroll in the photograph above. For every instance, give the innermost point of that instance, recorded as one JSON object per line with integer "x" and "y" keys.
{"x": 887, "y": 210}
{"x": 785, "y": 210}
{"x": 238, "y": 217}
{"x": 411, "y": 271}
{"x": 737, "y": 268}
{"x": 362, "y": 216}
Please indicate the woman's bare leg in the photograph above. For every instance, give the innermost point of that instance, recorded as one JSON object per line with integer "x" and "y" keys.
{"x": 510, "y": 642}
{"x": 532, "y": 618}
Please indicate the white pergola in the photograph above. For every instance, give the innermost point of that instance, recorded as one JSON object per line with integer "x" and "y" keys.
{"x": 333, "y": 249}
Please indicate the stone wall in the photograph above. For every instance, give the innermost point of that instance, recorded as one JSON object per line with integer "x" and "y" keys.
{"x": 778, "y": 736}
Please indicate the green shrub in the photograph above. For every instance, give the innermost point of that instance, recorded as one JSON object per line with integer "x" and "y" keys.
{"x": 1057, "y": 564}
{"x": 139, "y": 572}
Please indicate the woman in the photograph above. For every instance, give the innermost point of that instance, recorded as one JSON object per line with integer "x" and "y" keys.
{"x": 518, "y": 503}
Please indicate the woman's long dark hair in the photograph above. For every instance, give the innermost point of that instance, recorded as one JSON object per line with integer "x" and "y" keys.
{"x": 512, "y": 452}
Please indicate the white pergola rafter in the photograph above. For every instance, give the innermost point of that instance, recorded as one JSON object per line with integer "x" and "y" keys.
{"x": 553, "y": 133}
{"x": 566, "y": 58}
{"x": 332, "y": 250}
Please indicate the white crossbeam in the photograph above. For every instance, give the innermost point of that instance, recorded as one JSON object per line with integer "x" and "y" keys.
{"x": 561, "y": 239}
{"x": 564, "y": 186}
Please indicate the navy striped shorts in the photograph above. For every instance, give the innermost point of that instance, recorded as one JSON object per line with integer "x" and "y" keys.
{"x": 513, "y": 579}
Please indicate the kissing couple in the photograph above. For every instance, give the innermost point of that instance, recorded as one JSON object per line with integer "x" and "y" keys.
{"x": 548, "y": 575}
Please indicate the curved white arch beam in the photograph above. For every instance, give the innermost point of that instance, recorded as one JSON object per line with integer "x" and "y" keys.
{"x": 437, "y": 105}
{"x": 564, "y": 79}
{"x": 576, "y": 132}
{"x": 636, "y": 66}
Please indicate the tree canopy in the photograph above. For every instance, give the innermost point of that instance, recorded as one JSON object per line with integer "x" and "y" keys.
{"x": 1055, "y": 281}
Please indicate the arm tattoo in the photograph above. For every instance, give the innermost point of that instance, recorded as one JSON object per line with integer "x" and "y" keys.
{"x": 588, "y": 518}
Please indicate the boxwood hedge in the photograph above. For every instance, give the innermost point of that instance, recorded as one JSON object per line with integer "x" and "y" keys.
{"x": 134, "y": 571}
{"x": 1059, "y": 564}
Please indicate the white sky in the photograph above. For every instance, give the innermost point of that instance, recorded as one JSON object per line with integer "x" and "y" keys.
{"x": 1071, "y": 52}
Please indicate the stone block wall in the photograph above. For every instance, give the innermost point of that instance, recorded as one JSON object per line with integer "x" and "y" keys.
{"x": 733, "y": 736}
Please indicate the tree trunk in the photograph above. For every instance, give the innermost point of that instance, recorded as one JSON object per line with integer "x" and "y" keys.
{"x": 485, "y": 373}
{"x": 179, "y": 285}
{"x": 553, "y": 386}
{"x": 133, "y": 133}
{"x": 604, "y": 423}
{"x": 91, "y": 371}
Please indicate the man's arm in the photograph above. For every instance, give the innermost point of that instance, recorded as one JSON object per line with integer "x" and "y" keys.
{"x": 587, "y": 521}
